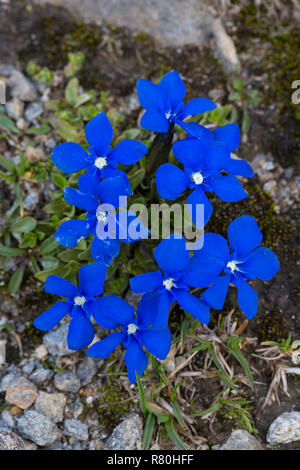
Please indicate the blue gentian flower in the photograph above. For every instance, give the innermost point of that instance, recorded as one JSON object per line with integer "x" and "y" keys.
{"x": 228, "y": 135}
{"x": 164, "y": 103}
{"x": 101, "y": 161}
{"x": 102, "y": 221}
{"x": 112, "y": 312}
{"x": 246, "y": 261}
{"x": 172, "y": 283}
{"x": 202, "y": 173}
{"x": 79, "y": 304}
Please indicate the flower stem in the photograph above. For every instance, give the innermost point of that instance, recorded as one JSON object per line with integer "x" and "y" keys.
{"x": 160, "y": 150}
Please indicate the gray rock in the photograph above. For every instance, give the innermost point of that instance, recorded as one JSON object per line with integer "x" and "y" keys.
{"x": 173, "y": 23}
{"x": 6, "y": 69}
{"x": 86, "y": 370}
{"x": 240, "y": 439}
{"x": 22, "y": 124}
{"x": 56, "y": 341}
{"x": 41, "y": 375}
{"x": 225, "y": 48}
{"x": 285, "y": 428}
{"x": 67, "y": 382}
{"x": 21, "y": 392}
{"x": 31, "y": 200}
{"x": 77, "y": 408}
{"x": 38, "y": 428}
{"x": 127, "y": 435}
{"x": 51, "y": 405}
{"x": 77, "y": 429}
{"x": 50, "y": 143}
{"x": 4, "y": 426}
{"x": 15, "y": 108}
{"x": 29, "y": 367}
{"x": 21, "y": 87}
{"x": 33, "y": 111}
{"x": 10, "y": 441}
{"x": 8, "y": 418}
{"x": 133, "y": 299}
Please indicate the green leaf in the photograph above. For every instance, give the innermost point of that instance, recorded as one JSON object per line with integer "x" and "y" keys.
{"x": 71, "y": 91}
{"x": 245, "y": 121}
{"x": 48, "y": 246}
{"x": 49, "y": 262}
{"x": 7, "y": 164}
{"x": 16, "y": 280}
{"x": 34, "y": 264}
{"x": 10, "y": 252}
{"x": 173, "y": 435}
{"x": 177, "y": 412}
{"x": 76, "y": 60}
{"x": 143, "y": 400}
{"x": 27, "y": 224}
{"x": 62, "y": 271}
{"x": 65, "y": 129}
{"x": 148, "y": 431}
{"x": 238, "y": 84}
{"x": 8, "y": 124}
{"x": 136, "y": 177}
{"x": 7, "y": 177}
{"x": 82, "y": 99}
{"x": 59, "y": 180}
{"x": 38, "y": 130}
{"x": 233, "y": 346}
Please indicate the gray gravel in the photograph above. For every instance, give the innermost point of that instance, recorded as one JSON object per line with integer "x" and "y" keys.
{"x": 127, "y": 435}
{"x": 67, "y": 381}
{"x": 240, "y": 439}
{"x": 38, "y": 428}
{"x": 285, "y": 428}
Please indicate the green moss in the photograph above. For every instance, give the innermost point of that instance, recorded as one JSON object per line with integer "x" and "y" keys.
{"x": 272, "y": 326}
{"x": 112, "y": 404}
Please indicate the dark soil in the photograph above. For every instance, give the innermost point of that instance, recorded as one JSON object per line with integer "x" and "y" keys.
{"x": 115, "y": 59}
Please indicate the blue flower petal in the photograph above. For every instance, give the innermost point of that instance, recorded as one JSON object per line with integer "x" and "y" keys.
{"x": 110, "y": 190}
{"x": 148, "y": 307}
{"x": 81, "y": 332}
{"x": 239, "y": 167}
{"x": 217, "y": 157}
{"x": 161, "y": 308}
{"x": 215, "y": 295}
{"x": 96, "y": 307}
{"x": 157, "y": 342}
{"x": 69, "y": 157}
{"x": 79, "y": 199}
{"x": 129, "y": 227}
{"x": 88, "y": 182}
{"x": 244, "y": 235}
{"x": 205, "y": 208}
{"x": 174, "y": 87}
{"x": 198, "y": 106}
{"x": 152, "y": 97}
{"x": 51, "y": 317}
{"x": 155, "y": 121}
{"x": 229, "y": 189}
{"x": 99, "y": 133}
{"x": 193, "y": 305}
{"x": 104, "y": 347}
{"x": 71, "y": 232}
{"x": 59, "y": 286}
{"x": 170, "y": 181}
{"x": 135, "y": 360}
{"x": 146, "y": 282}
{"x": 231, "y": 134}
{"x": 208, "y": 262}
{"x": 128, "y": 152}
{"x": 91, "y": 279}
{"x": 115, "y": 308}
{"x": 247, "y": 298}
{"x": 263, "y": 264}
{"x": 104, "y": 251}
{"x": 190, "y": 152}
{"x": 172, "y": 254}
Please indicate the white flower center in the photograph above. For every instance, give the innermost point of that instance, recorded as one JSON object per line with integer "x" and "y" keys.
{"x": 131, "y": 329}
{"x": 100, "y": 162}
{"x": 101, "y": 216}
{"x": 168, "y": 114}
{"x": 78, "y": 300}
{"x": 197, "y": 178}
{"x": 169, "y": 283}
{"x": 232, "y": 265}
